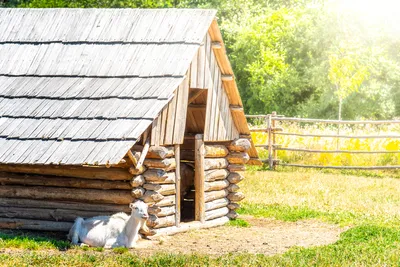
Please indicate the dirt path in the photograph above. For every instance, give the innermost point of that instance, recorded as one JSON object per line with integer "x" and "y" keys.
{"x": 265, "y": 236}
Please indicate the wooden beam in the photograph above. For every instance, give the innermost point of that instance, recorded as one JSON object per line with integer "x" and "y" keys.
{"x": 194, "y": 93}
{"x": 197, "y": 106}
{"x": 216, "y": 45}
{"x": 7, "y": 223}
{"x": 144, "y": 153}
{"x": 49, "y": 180}
{"x": 132, "y": 158}
{"x": 199, "y": 179}
{"x": 235, "y": 108}
{"x": 101, "y": 173}
{"x": 178, "y": 185}
{"x": 67, "y": 194}
{"x": 226, "y": 77}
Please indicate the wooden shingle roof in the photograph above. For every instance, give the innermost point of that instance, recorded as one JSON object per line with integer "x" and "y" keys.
{"x": 79, "y": 86}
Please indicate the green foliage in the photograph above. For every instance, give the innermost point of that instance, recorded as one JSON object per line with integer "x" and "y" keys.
{"x": 285, "y": 55}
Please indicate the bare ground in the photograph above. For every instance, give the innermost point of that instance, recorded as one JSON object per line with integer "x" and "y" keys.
{"x": 264, "y": 236}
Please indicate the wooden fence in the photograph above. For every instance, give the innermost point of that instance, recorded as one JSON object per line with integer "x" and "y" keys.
{"x": 272, "y": 129}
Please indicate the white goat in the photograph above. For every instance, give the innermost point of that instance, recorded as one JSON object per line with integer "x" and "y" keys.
{"x": 118, "y": 230}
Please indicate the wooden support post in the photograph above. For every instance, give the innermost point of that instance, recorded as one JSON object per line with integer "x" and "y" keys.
{"x": 274, "y": 151}
{"x": 199, "y": 179}
{"x": 144, "y": 153}
{"x": 177, "y": 185}
{"x": 270, "y": 152}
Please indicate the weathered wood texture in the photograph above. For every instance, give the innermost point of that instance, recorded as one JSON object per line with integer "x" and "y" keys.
{"x": 56, "y": 181}
{"x": 217, "y": 185}
{"x": 137, "y": 181}
{"x": 160, "y": 152}
{"x": 218, "y": 203}
{"x": 164, "y": 164}
{"x": 159, "y": 176}
{"x": 165, "y": 221}
{"x": 217, "y": 163}
{"x": 232, "y": 214}
{"x": 219, "y": 123}
{"x": 67, "y": 194}
{"x": 48, "y": 214}
{"x": 138, "y": 192}
{"x": 100, "y": 173}
{"x": 184, "y": 227}
{"x": 233, "y": 188}
{"x": 236, "y": 168}
{"x": 235, "y": 177}
{"x": 199, "y": 178}
{"x": 233, "y": 206}
{"x": 151, "y": 197}
{"x": 163, "y": 189}
{"x": 212, "y": 214}
{"x": 213, "y": 195}
{"x": 238, "y": 158}
{"x": 214, "y": 175}
{"x": 162, "y": 211}
{"x": 236, "y": 196}
{"x": 211, "y": 151}
{"x": 169, "y": 127}
{"x": 166, "y": 201}
{"x": 177, "y": 150}
{"x": 38, "y": 225}
{"x": 240, "y": 145}
{"x": 216, "y": 151}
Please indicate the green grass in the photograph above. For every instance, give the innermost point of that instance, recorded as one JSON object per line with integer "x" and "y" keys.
{"x": 31, "y": 242}
{"x": 368, "y": 206}
{"x": 364, "y": 245}
{"x": 238, "y": 223}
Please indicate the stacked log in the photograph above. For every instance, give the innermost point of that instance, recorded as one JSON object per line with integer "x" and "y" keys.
{"x": 158, "y": 184}
{"x": 52, "y": 200}
{"x": 215, "y": 181}
{"x": 237, "y": 159}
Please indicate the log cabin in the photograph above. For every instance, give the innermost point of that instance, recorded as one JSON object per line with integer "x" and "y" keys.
{"x": 99, "y": 107}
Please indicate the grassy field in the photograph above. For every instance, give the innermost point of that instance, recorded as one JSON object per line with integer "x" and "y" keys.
{"x": 325, "y": 143}
{"x": 367, "y": 207}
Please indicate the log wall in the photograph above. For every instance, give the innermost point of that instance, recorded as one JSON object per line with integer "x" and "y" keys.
{"x": 50, "y": 198}
{"x": 156, "y": 186}
{"x": 52, "y": 201}
{"x": 223, "y": 167}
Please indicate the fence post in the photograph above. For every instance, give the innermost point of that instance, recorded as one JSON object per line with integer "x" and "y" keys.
{"x": 274, "y": 158}
{"x": 270, "y": 149}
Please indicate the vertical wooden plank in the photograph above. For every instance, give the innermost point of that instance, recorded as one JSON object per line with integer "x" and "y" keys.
{"x": 169, "y": 135}
{"x": 181, "y": 108}
{"x": 209, "y": 107}
{"x": 163, "y": 125}
{"x": 274, "y": 151}
{"x": 193, "y": 72}
{"x": 269, "y": 142}
{"x": 154, "y": 132}
{"x": 199, "y": 178}
{"x": 178, "y": 185}
{"x": 214, "y": 108}
{"x": 201, "y": 57}
{"x": 207, "y": 50}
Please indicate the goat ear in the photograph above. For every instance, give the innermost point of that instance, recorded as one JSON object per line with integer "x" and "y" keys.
{"x": 131, "y": 205}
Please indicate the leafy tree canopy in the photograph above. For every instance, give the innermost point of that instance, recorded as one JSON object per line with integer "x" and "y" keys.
{"x": 296, "y": 57}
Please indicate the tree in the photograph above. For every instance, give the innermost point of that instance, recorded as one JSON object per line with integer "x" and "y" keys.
{"x": 347, "y": 75}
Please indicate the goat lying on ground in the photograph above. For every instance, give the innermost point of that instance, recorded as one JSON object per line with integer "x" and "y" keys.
{"x": 118, "y": 230}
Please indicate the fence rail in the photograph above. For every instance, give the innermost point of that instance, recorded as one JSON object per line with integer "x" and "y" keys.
{"x": 272, "y": 131}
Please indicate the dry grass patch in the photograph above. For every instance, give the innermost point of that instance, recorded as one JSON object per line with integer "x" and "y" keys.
{"x": 324, "y": 192}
